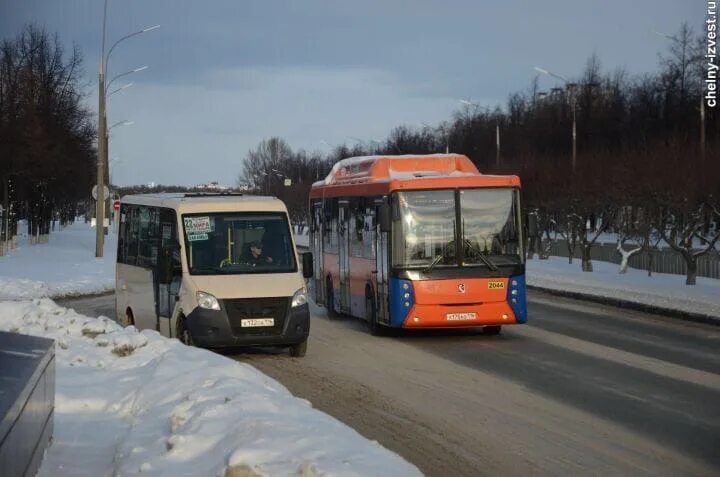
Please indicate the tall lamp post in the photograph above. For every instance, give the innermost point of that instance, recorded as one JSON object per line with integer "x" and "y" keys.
{"x": 571, "y": 89}
{"x": 103, "y": 129}
{"x": 469, "y": 103}
{"x": 676, "y": 40}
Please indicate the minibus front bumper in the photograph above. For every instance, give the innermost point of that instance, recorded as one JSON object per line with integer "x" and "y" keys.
{"x": 223, "y": 328}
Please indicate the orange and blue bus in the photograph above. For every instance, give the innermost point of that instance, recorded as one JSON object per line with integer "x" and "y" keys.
{"x": 418, "y": 241}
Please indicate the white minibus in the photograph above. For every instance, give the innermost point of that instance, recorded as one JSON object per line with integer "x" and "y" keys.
{"x": 213, "y": 270}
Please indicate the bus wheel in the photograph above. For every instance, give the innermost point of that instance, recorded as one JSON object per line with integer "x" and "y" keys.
{"x": 330, "y": 301}
{"x": 182, "y": 333}
{"x": 491, "y": 330}
{"x": 298, "y": 350}
{"x": 374, "y": 327}
{"x": 128, "y": 319}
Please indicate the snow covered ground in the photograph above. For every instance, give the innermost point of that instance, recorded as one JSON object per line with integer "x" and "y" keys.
{"x": 661, "y": 290}
{"x": 130, "y": 403}
{"x": 63, "y": 267}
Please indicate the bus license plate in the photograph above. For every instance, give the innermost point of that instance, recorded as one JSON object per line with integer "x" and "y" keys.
{"x": 461, "y": 316}
{"x": 254, "y": 322}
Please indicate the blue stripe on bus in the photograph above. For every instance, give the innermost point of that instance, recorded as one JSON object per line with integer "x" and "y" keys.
{"x": 520, "y": 306}
{"x": 399, "y": 305}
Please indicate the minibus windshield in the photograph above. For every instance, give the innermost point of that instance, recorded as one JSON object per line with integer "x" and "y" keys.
{"x": 238, "y": 243}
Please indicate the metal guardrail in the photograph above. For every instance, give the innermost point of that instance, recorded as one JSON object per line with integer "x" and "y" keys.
{"x": 664, "y": 260}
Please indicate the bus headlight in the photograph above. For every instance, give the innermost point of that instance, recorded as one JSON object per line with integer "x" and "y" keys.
{"x": 207, "y": 301}
{"x": 299, "y": 298}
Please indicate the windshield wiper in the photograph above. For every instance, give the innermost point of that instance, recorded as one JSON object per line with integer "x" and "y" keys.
{"x": 482, "y": 257}
{"x": 435, "y": 261}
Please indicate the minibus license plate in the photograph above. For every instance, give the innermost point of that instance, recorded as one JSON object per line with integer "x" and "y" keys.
{"x": 254, "y": 322}
{"x": 461, "y": 316}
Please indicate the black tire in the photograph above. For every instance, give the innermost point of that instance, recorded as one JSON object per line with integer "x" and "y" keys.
{"x": 330, "y": 301}
{"x": 128, "y": 319}
{"x": 375, "y": 328}
{"x": 182, "y": 333}
{"x": 298, "y": 350}
{"x": 491, "y": 330}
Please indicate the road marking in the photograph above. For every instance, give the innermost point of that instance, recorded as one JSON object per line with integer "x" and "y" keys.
{"x": 651, "y": 365}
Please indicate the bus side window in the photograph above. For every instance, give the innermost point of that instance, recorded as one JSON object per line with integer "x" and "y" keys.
{"x": 168, "y": 233}
{"x": 131, "y": 236}
{"x": 369, "y": 233}
{"x": 122, "y": 235}
{"x": 147, "y": 237}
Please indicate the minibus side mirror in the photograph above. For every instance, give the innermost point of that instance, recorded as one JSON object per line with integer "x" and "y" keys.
{"x": 384, "y": 217}
{"x": 307, "y": 264}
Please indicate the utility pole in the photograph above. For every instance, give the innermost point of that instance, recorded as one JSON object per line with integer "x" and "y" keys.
{"x": 102, "y": 138}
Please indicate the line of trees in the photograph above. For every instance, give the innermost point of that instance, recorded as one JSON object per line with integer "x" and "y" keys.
{"x": 645, "y": 168}
{"x": 47, "y": 154}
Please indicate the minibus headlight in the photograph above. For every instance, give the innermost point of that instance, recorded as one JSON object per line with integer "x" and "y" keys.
{"x": 299, "y": 298}
{"x": 207, "y": 301}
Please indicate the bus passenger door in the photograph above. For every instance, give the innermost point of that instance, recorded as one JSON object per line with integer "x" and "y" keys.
{"x": 316, "y": 242}
{"x": 344, "y": 255}
{"x": 167, "y": 293}
{"x": 381, "y": 265}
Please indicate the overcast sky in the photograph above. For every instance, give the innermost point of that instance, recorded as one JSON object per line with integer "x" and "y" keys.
{"x": 225, "y": 74}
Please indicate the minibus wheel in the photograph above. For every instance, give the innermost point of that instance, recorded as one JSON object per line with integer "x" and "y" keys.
{"x": 183, "y": 334}
{"x": 491, "y": 330}
{"x": 128, "y": 319}
{"x": 299, "y": 350}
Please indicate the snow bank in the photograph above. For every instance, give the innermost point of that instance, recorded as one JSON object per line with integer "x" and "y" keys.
{"x": 63, "y": 267}
{"x": 661, "y": 290}
{"x": 131, "y": 403}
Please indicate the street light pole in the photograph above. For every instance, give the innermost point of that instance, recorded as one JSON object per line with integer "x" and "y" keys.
{"x": 102, "y": 163}
{"x": 102, "y": 136}
{"x": 572, "y": 97}
{"x": 477, "y": 106}
{"x": 497, "y": 144}
{"x": 676, "y": 40}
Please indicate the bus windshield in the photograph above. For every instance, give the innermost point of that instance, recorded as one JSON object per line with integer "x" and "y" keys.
{"x": 490, "y": 221}
{"x": 238, "y": 243}
{"x": 425, "y": 230}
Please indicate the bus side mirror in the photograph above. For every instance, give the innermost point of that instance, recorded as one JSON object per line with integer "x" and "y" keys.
{"x": 384, "y": 217}
{"x": 532, "y": 225}
{"x": 307, "y": 264}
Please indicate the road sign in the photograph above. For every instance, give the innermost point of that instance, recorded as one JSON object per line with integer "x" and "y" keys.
{"x": 116, "y": 205}
{"x": 105, "y": 189}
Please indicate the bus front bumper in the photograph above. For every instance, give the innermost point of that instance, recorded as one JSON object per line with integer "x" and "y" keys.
{"x": 216, "y": 329}
{"x": 460, "y": 316}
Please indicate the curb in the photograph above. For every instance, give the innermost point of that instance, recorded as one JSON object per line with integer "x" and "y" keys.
{"x": 632, "y": 305}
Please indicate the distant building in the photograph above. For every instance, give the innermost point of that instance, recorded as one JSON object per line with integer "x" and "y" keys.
{"x": 211, "y": 186}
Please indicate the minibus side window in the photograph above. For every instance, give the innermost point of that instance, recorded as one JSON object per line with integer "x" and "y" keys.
{"x": 131, "y": 236}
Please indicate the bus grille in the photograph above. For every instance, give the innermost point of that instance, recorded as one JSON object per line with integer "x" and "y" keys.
{"x": 243, "y": 308}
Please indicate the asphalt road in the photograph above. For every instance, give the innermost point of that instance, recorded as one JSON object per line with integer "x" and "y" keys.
{"x": 582, "y": 389}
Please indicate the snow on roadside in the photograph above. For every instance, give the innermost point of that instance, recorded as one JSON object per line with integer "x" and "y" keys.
{"x": 130, "y": 402}
{"x": 662, "y": 290}
{"x": 65, "y": 266}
